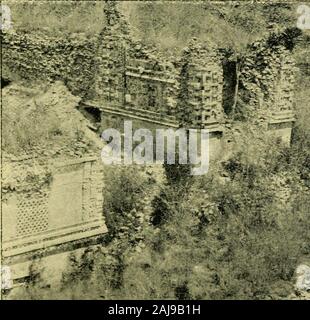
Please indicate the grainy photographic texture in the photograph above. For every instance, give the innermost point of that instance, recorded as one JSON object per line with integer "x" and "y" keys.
{"x": 155, "y": 150}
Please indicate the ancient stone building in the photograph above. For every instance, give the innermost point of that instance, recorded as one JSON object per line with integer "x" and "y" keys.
{"x": 118, "y": 78}
{"x": 52, "y": 190}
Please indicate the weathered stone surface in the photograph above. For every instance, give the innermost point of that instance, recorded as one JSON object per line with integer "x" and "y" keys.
{"x": 303, "y": 278}
{"x": 53, "y": 190}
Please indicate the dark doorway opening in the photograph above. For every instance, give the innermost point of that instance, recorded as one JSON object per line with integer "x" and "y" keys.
{"x": 229, "y": 85}
{"x": 5, "y": 82}
{"x": 93, "y": 114}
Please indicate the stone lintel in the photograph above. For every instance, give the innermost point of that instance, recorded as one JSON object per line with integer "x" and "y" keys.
{"x": 281, "y": 117}
{"x": 150, "y": 78}
{"x": 54, "y": 237}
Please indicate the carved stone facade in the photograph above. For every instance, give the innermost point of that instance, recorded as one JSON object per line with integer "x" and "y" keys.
{"x": 117, "y": 74}
{"x": 188, "y": 90}
{"x": 67, "y": 209}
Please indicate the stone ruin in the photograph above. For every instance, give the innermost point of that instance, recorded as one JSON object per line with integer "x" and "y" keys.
{"x": 118, "y": 78}
{"x": 132, "y": 81}
{"x": 52, "y": 191}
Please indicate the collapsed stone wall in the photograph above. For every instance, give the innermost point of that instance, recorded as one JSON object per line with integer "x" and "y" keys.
{"x": 37, "y": 57}
{"x": 303, "y": 58}
{"x": 110, "y": 62}
{"x": 267, "y": 79}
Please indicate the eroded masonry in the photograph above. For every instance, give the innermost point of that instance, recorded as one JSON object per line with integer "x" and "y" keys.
{"x": 116, "y": 77}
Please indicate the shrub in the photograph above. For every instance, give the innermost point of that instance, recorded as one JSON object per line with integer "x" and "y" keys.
{"x": 125, "y": 197}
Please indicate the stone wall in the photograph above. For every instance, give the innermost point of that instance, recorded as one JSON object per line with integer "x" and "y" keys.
{"x": 267, "y": 82}
{"x": 63, "y": 208}
{"x": 116, "y": 73}
{"x": 129, "y": 75}
{"x": 201, "y": 86}
{"x": 124, "y": 79}
{"x": 38, "y": 57}
{"x": 137, "y": 80}
{"x": 268, "y": 78}
{"x": 151, "y": 85}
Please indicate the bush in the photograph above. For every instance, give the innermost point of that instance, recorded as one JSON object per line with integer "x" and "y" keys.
{"x": 125, "y": 197}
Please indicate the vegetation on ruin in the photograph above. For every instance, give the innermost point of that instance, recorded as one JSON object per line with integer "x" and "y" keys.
{"x": 237, "y": 233}
{"x": 238, "y": 239}
{"x": 168, "y": 24}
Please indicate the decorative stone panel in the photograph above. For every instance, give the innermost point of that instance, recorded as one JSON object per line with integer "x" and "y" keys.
{"x": 69, "y": 209}
{"x": 32, "y": 216}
